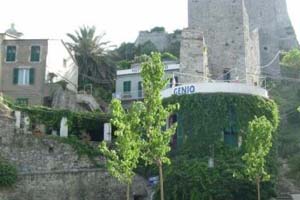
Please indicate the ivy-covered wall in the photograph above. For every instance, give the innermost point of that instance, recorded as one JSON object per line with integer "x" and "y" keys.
{"x": 207, "y": 115}
{"x": 202, "y": 121}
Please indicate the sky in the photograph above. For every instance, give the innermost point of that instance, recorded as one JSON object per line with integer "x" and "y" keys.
{"x": 120, "y": 20}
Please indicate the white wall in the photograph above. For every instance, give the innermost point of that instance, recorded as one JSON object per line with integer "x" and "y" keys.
{"x": 61, "y": 62}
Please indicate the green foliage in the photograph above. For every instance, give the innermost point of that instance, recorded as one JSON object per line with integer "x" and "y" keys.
{"x": 8, "y": 174}
{"x": 257, "y": 146}
{"x": 294, "y": 165}
{"x": 91, "y": 55}
{"x": 208, "y": 114}
{"x": 158, "y": 29}
{"x": 190, "y": 178}
{"x": 174, "y": 48}
{"x": 102, "y": 94}
{"x": 141, "y": 58}
{"x": 166, "y": 56}
{"x": 146, "y": 48}
{"x": 201, "y": 120}
{"x": 291, "y": 59}
{"x": 123, "y": 159}
{"x": 82, "y": 148}
{"x": 156, "y": 140}
{"x": 51, "y": 117}
{"x": 126, "y": 51}
{"x": 124, "y": 64}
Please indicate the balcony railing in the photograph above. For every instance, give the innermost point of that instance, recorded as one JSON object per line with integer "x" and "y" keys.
{"x": 132, "y": 95}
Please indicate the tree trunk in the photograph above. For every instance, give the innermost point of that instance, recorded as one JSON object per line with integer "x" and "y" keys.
{"x": 128, "y": 192}
{"x": 161, "y": 180}
{"x": 258, "y": 187}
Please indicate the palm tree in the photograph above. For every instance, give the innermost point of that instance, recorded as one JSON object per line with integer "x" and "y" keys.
{"x": 91, "y": 56}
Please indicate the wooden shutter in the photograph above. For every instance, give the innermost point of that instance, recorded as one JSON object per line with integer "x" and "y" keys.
{"x": 31, "y": 76}
{"x": 15, "y": 76}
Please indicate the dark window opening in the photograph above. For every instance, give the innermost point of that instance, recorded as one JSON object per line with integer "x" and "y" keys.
{"x": 47, "y": 101}
{"x": 126, "y": 86}
{"x": 22, "y": 101}
{"x": 226, "y": 75}
{"x": 35, "y": 54}
{"x": 51, "y": 150}
{"x": 11, "y": 53}
{"x": 138, "y": 197}
{"x": 231, "y": 133}
{"x": 174, "y": 81}
{"x": 140, "y": 89}
{"x": 230, "y": 137}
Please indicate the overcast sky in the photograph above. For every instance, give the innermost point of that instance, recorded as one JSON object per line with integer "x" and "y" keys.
{"x": 119, "y": 19}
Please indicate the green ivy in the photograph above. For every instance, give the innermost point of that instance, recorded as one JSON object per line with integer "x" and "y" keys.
{"x": 51, "y": 117}
{"x": 8, "y": 174}
{"x": 208, "y": 114}
{"x": 82, "y": 148}
{"x": 201, "y": 120}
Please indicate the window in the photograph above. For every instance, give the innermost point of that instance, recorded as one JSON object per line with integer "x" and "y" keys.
{"x": 35, "y": 54}
{"x": 140, "y": 89}
{"x": 226, "y": 75}
{"x": 174, "y": 81}
{"x": 231, "y": 132}
{"x": 127, "y": 86}
{"x": 23, "y": 76}
{"x": 231, "y": 137}
{"x": 22, "y": 101}
{"x": 11, "y": 53}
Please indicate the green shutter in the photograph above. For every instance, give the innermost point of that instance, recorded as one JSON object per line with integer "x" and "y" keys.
{"x": 35, "y": 53}
{"x": 11, "y": 53}
{"x": 126, "y": 86}
{"x": 15, "y": 76}
{"x": 31, "y": 76}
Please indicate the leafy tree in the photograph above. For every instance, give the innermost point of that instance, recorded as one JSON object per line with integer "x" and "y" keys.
{"x": 292, "y": 59}
{"x": 156, "y": 140}
{"x": 257, "y": 146}
{"x": 166, "y": 56}
{"x": 146, "y": 48}
{"x": 123, "y": 159}
{"x": 126, "y": 51}
{"x": 158, "y": 29}
{"x": 90, "y": 53}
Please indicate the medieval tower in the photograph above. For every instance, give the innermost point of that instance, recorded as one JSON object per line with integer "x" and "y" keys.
{"x": 239, "y": 37}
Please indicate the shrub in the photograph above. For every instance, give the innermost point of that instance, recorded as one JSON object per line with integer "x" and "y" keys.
{"x": 8, "y": 174}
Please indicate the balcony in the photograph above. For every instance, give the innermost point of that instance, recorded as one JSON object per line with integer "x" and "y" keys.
{"x": 128, "y": 96}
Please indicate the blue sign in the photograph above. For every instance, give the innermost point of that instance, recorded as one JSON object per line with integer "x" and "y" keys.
{"x": 186, "y": 89}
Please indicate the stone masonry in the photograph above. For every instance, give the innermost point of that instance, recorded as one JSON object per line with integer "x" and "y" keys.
{"x": 243, "y": 34}
{"x": 49, "y": 169}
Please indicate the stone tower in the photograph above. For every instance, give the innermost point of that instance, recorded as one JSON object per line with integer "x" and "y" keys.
{"x": 242, "y": 35}
{"x": 275, "y": 31}
{"x": 232, "y": 47}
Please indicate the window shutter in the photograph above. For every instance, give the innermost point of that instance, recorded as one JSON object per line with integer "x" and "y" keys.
{"x": 15, "y": 76}
{"x": 31, "y": 76}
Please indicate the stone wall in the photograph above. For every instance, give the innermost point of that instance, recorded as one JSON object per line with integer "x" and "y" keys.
{"x": 225, "y": 24}
{"x": 161, "y": 40}
{"x": 49, "y": 169}
{"x": 222, "y": 24}
{"x": 193, "y": 56}
{"x": 65, "y": 185}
